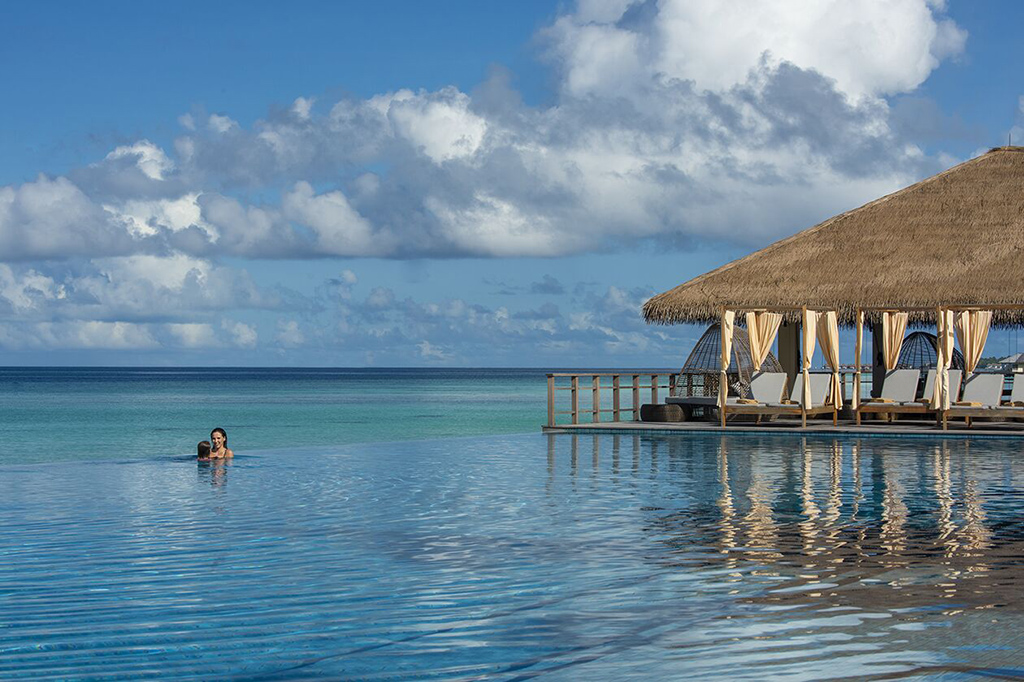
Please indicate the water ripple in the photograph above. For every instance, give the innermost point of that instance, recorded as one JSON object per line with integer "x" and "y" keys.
{"x": 512, "y": 557}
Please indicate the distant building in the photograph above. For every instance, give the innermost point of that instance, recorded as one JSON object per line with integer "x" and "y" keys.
{"x": 1012, "y": 363}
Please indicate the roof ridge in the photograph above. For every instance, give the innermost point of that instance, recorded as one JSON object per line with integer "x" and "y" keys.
{"x": 829, "y": 221}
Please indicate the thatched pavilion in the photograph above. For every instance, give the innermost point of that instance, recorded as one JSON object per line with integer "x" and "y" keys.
{"x": 952, "y": 242}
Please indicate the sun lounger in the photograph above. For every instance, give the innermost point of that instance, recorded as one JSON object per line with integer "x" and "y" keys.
{"x": 901, "y": 388}
{"x": 898, "y": 389}
{"x": 982, "y": 395}
{"x": 768, "y": 400}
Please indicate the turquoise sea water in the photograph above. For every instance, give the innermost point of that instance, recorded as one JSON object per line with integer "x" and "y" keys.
{"x": 49, "y": 414}
{"x": 511, "y": 556}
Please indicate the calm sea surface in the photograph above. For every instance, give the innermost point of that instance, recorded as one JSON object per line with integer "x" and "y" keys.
{"x": 495, "y": 556}
{"x": 49, "y": 414}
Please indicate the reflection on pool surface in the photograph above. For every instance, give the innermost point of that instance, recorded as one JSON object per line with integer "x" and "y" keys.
{"x": 597, "y": 557}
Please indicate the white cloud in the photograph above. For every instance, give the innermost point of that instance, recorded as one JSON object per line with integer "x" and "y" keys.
{"x": 339, "y": 228}
{"x": 52, "y": 218}
{"x": 221, "y": 124}
{"x": 28, "y": 290}
{"x": 83, "y": 335}
{"x": 242, "y": 335}
{"x": 301, "y": 107}
{"x": 150, "y": 159}
{"x": 149, "y": 217}
{"x": 868, "y": 48}
{"x": 289, "y": 334}
{"x": 193, "y": 335}
{"x": 430, "y": 352}
{"x": 439, "y": 123}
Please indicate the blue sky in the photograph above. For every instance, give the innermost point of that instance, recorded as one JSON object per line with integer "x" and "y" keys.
{"x": 457, "y": 183}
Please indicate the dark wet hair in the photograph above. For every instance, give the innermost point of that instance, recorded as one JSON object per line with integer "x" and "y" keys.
{"x": 203, "y": 448}
{"x": 221, "y": 432}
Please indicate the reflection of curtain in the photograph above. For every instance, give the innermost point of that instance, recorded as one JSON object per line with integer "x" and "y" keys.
{"x": 944, "y": 351}
{"x": 761, "y": 330}
{"x": 972, "y": 331}
{"x": 828, "y": 338}
{"x": 723, "y": 383}
{"x": 810, "y": 323}
{"x": 893, "y": 327}
{"x": 856, "y": 367}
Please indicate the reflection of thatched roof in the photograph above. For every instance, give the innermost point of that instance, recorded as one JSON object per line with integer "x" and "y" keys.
{"x": 956, "y": 238}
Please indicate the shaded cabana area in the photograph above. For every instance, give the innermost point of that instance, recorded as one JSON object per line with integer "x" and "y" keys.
{"x": 946, "y": 252}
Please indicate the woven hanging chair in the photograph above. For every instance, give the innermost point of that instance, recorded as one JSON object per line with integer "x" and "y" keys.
{"x": 919, "y": 352}
{"x": 700, "y": 374}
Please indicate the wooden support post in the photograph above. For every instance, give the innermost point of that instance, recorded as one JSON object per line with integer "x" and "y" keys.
{"x": 805, "y": 397}
{"x": 575, "y": 407}
{"x": 597, "y": 399}
{"x": 654, "y": 389}
{"x": 636, "y": 397}
{"x": 551, "y": 400}
{"x": 858, "y": 352}
{"x": 615, "y": 398}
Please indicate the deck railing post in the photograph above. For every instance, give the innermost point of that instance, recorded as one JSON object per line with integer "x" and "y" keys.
{"x": 575, "y": 408}
{"x": 551, "y": 400}
{"x": 654, "y": 389}
{"x": 615, "y": 398}
{"x": 597, "y": 398}
{"x": 636, "y": 397}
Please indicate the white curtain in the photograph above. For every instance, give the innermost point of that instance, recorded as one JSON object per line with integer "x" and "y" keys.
{"x": 972, "y": 332}
{"x": 728, "y": 318}
{"x": 828, "y": 338}
{"x": 762, "y": 328}
{"x": 810, "y": 324}
{"x": 893, "y": 327}
{"x": 944, "y": 351}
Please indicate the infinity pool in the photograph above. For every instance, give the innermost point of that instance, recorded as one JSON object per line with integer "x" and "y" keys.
{"x": 588, "y": 557}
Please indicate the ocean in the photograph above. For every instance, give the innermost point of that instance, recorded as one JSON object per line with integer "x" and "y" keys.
{"x": 52, "y": 414}
{"x": 415, "y": 524}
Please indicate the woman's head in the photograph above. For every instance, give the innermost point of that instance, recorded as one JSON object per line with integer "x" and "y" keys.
{"x": 219, "y": 438}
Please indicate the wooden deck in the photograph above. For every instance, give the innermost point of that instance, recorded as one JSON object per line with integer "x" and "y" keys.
{"x": 1010, "y": 430}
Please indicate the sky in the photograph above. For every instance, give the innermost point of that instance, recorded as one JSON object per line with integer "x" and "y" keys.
{"x": 458, "y": 183}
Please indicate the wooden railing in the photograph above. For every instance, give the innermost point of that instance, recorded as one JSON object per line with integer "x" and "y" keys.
{"x": 600, "y": 384}
{"x": 605, "y": 384}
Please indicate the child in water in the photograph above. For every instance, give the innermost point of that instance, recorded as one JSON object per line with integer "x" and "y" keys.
{"x": 203, "y": 449}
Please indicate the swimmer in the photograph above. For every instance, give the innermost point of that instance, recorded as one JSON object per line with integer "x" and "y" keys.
{"x": 203, "y": 450}
{"x": 219, "y": 439}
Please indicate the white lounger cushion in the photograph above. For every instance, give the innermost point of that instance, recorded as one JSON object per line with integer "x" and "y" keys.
{"x": 955, "y": 375}
{"x": 900, "y": 385}
{"x": 767, "y": 387}
{"x": 819, "y": 390}
{"x": 986, "y": 389}
{"x": 1017, "y": 393}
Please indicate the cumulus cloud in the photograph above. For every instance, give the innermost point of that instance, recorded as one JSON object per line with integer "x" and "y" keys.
{"x": 242, "y": 335}
{"x": 670, "y": 123}
{"x": 52, "y": 218}
{"x": 865, "y": 48}
{"x": 738, "y": 121}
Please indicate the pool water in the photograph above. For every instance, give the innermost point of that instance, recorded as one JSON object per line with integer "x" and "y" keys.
{"x": 508, "y": 557}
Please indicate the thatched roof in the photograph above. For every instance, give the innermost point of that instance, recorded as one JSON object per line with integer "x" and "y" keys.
{"x": 956, "y": 238}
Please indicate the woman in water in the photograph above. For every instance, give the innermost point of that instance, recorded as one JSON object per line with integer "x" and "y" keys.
{"x": 219, "y": 441}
